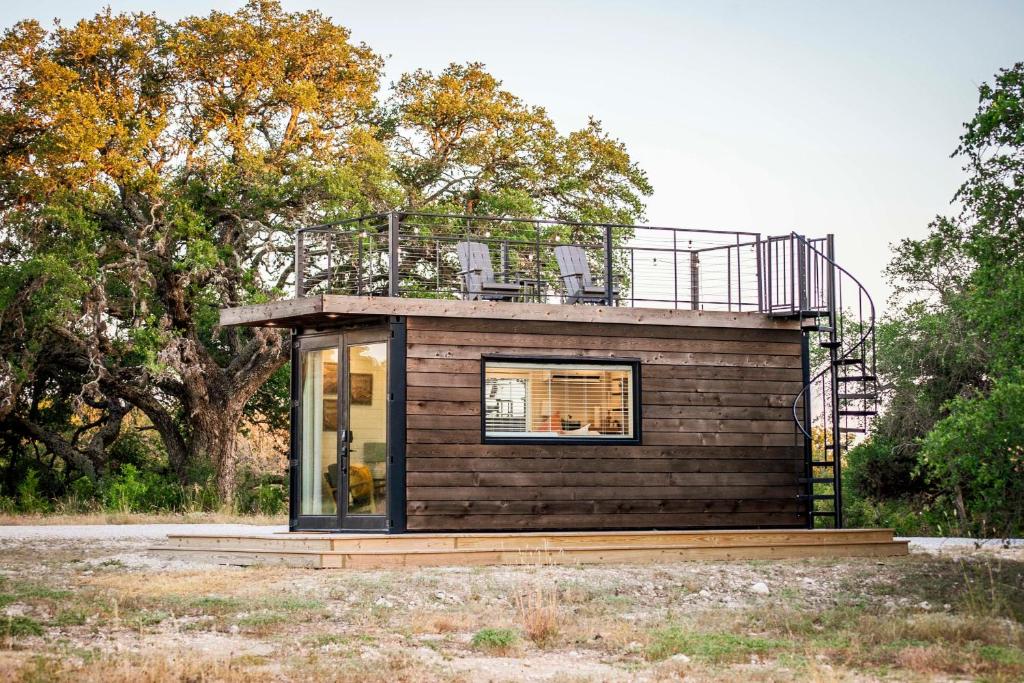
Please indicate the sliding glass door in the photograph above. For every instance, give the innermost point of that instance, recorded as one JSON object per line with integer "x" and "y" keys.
{"x": 343, "y": 427}
{"x": 365, "y": 451}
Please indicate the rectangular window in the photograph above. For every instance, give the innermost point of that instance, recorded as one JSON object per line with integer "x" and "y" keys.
{"x": 559, "y": 400}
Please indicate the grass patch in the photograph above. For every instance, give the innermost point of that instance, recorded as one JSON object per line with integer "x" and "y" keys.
{"x": 998, "y": 654}
{"x": 712, "y": 647}
{"x": 19, "y": 627}
{"x": 70, "y": 617}
{"x": 17, "y": 591}
{"x": 261, "y": 622}
{"x": 495, "y": 640}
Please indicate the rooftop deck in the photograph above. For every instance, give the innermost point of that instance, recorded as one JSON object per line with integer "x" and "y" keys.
{"x": 417, "y": 256}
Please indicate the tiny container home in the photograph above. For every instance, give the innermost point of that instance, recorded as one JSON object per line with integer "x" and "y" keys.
{"x": 465, "y": 373}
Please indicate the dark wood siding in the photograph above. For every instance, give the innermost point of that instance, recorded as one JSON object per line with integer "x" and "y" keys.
{"x": 719, "y": 448}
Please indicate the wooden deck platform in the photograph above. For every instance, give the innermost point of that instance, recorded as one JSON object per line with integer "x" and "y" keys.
{"x": 375, "y": 551}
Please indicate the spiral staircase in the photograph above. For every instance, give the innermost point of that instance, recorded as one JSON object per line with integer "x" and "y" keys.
{"x": 801, "y": 280}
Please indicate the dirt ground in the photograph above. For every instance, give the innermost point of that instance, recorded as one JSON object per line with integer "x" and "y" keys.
{"x": 93, "y": 605}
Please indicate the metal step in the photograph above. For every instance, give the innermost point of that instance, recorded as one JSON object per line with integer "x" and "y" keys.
{"x": 852, "y": 430}
{"x": 816, "y": 496}
{"x": 830, "y": 344}
{"x": 817, "y": 480}
{"x": 850, "y": 361}
{"x": 822, "y": 463}
{"x": 862, "y": 413}
{"x": 856, "y": 378}
{"x": 823, "y": 513}
{"x": 858, "y": 397}
{"x": 816, "y": 328}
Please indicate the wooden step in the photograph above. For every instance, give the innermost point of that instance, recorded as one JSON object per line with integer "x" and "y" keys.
{"x": 516, "y": 540}
{"x": 438, "y": 549}
{"x": 379, "y": 559}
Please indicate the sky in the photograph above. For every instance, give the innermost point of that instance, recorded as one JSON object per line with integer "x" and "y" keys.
{"x": 835, "y": 117}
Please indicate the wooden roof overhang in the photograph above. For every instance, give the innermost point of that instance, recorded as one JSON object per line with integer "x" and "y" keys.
{"x": 325, "y": 310}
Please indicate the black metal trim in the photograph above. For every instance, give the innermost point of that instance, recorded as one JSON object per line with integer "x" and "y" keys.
{"x": 293, "y": 435}
{"x": 805, "y": 377}
{"x": 397, "y": 383}
{"x": 297, "y": 521}
{"x": 635, "y": 366}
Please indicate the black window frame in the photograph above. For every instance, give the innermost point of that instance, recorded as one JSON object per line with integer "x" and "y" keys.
{"x": 635, "y": 402}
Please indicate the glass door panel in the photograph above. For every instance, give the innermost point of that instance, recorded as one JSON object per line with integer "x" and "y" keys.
{"x": 367, "y": 421}
{"x": 318, "y": 464}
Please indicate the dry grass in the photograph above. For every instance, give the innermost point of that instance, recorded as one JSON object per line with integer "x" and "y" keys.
{"x": 914, "y": 618}
{"x": 442, "y": 622}
{"x": 539, "y": 615}
{"x": 94, "y": 518}
{"x": 241, "y": 581}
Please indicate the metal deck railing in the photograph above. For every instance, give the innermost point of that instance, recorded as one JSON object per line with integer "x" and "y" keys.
{"x": 416, "y": 255}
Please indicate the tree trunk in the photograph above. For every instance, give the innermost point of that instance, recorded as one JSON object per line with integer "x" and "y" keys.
{"x": 215, "y": 440}
{"x": 215, "y": 398}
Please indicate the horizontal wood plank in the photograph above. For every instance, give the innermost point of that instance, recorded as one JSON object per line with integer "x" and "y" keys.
{"x": 612, "y": 521}
{"x": 600, "y": 492}
{"x": 636, "y": 480}
{"x": 696, "y": 452}
{"x": 597, "y": 329}
{"x": 598, "y": 507}
{"x": 754, "y": 360}
{"x": 622, "y": 345}
{"x": 793, "y": 466}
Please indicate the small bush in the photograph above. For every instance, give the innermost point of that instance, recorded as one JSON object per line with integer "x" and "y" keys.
{"x": 19, "y": 627}
{"x": 539, "y": 616}
{"x": 30, "y": 499}
{"x": 918, "y": 516}
{"x": 260, "y": 494}
{"x": 495, "y": 640}
{"x": 877, "y": 468}
{"x": 126, "y": 492}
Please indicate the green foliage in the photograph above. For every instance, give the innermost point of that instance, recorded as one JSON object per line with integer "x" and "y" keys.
{"x": 920, "y": 515}
{"x": 126, "y": 491}
{"x": 714, "y": 647}
{"x": 952, "y": 352}
{"x": 497, "y": 640}
{"x": 19, "y": 627}
{"x": 977, "y": 453}
{"x": 30, "y": 499}
{"x": 261, "y": 494}
{"x": 878, "y": 468}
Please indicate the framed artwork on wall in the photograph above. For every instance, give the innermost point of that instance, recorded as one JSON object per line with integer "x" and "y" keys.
{"x": 361, "y": 388}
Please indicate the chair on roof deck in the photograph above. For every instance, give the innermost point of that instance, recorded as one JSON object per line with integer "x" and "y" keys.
{"x": 579, "y": 285}
{"x": 478, "y": 275}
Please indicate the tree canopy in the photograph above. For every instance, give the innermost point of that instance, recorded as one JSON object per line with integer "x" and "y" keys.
{"x": 153, "y": 172}
{"x": 952, "y": 354}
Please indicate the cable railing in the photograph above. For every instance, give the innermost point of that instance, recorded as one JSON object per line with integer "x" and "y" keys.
{"x": 421, "y": 255}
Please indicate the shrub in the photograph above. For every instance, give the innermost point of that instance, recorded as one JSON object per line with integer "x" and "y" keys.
{"x": 539, "y": 615}
{"x": 260, "y": 494}
{"x": 30, "y": 499}
{"x": 126, "y": 491}
{"x": 976, "y": 455}
{"x": 19, "y": 627}
{"x": 878, "y": 468}
{"x": 919, "y": 515}
{"x": 495, "y": 640}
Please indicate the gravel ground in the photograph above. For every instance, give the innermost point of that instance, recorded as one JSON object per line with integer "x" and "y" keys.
{"x": 127, "y": 531}
{"x": 160, "y": 532}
